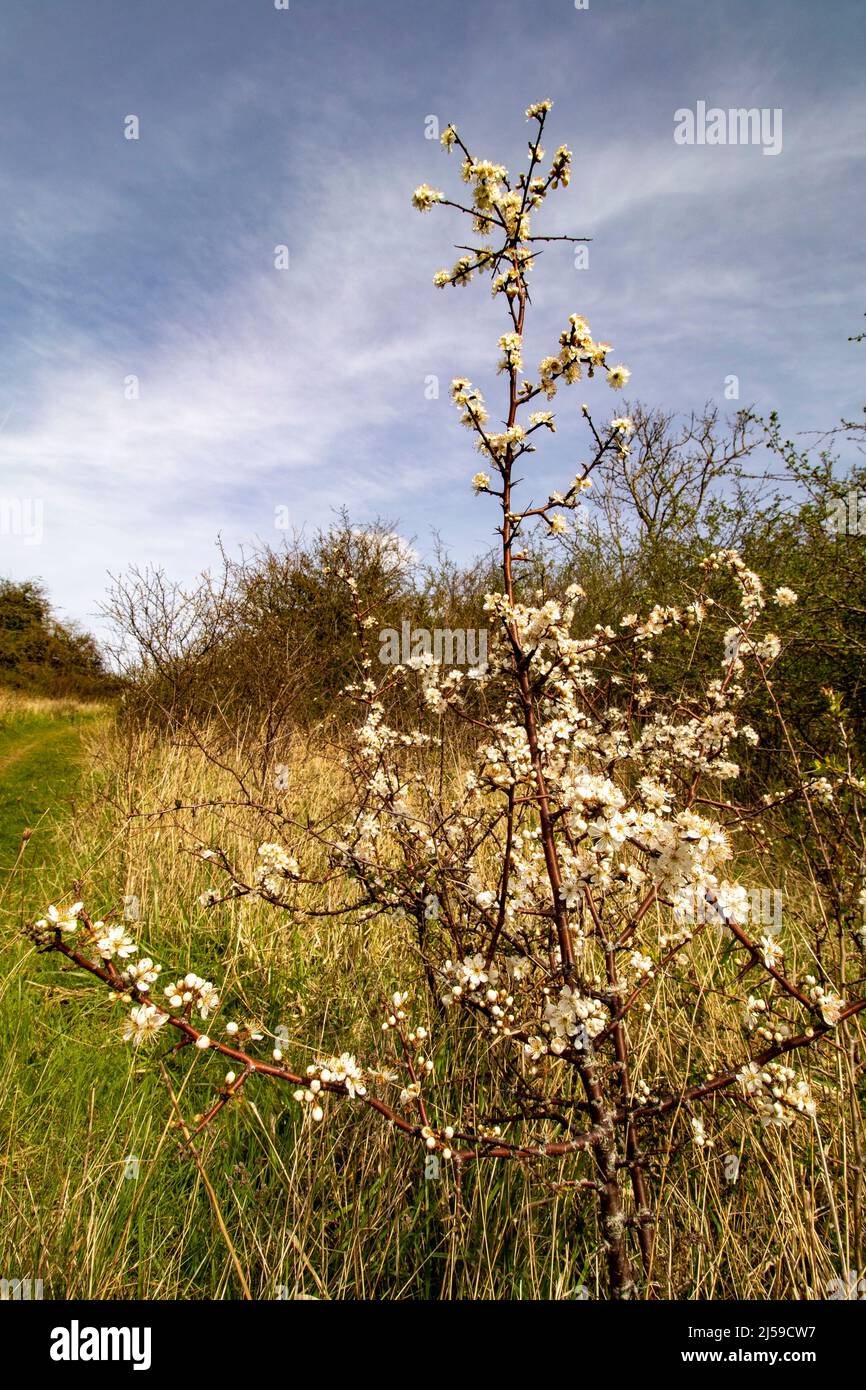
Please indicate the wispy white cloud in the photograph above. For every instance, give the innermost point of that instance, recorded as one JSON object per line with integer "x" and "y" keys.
{"x": 278, "y": 389}
{"x": 261, "y": 388}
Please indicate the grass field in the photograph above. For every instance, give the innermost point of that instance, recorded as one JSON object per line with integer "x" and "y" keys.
{"x": 40, "y": 770}
{"x": 100, "y": 1198}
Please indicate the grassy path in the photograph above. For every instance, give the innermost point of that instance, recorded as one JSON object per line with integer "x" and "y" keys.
{"x": 46, "y": 1112}
{"x": 97, "y": 1198}
{"x": 40, "y": 763}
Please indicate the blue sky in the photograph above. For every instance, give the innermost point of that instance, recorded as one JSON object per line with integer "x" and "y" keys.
{"x": 305, "y": 388}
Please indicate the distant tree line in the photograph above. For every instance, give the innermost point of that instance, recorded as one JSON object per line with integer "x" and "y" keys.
{"x": 262, "y": 646}
{"x": 41, "y": 655}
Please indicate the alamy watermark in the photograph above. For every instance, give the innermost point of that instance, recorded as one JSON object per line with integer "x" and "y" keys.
{"x": 18, "y": 1290}
{"x": 847, "y": 516}
{"x": 77, "y": 1343}
{"x": 851, "y": 1285}
{"x": 24, "y": 517}
{"x": 762, "y": 907}
{"x": 281, "y": 777}
{"x": 737, "y": 126}
{"x": 447, "y": 646}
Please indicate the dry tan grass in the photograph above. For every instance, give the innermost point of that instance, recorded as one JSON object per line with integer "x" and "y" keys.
{"x": 342, "y": 1210}
{"x": 16, "y": 705}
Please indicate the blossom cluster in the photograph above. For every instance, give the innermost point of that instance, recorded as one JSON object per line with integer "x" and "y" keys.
{"x": 110, "y": 940}
{"x": 344, "y": 1070}
{"x": 572, "y": 1018}
{"x": 474, "y": 980}
{"x": 193, "y": 993}
{"x": 777, "y": 1092}
{"x": 276, "y": 872}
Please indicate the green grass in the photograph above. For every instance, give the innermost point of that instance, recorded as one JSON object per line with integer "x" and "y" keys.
{"x": 338, "y": 1211}
{"x": 42, "y": 749}
{"x": 40, "y": 764}
{"x": 76, "y": 1105}
{"x": 341, "y": 1210}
